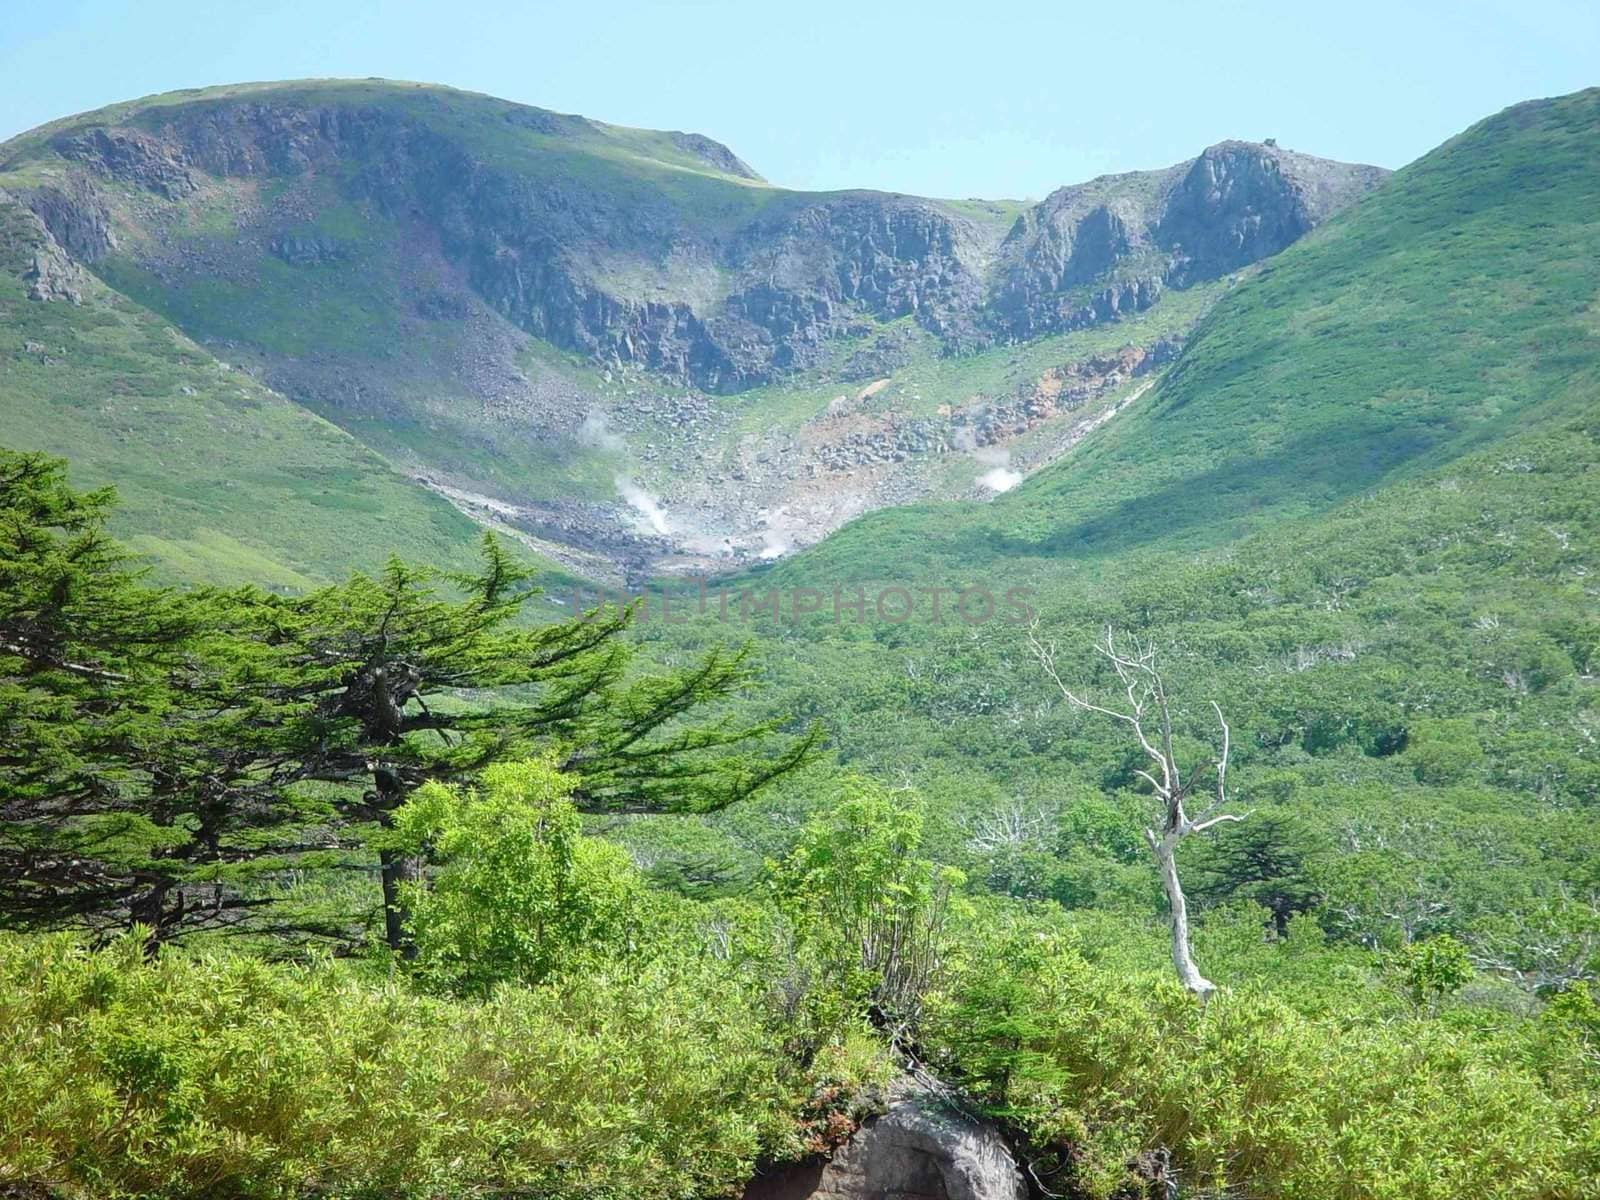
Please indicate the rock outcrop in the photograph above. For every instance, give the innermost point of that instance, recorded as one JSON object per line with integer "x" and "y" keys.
{"x": 1097, "y": 250}
{"x": 920, "y": 1149}
{"x": 588, "y": 237}
{"x": 28, "y": 249}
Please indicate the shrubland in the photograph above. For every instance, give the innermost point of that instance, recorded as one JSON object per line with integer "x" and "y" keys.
{"x": 380, "y": 888}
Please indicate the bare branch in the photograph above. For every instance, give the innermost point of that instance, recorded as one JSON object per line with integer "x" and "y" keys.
{"x": 1222, "y": 759}
{"x": 1207, "y": 823}
{"x": 1147, "y": 697}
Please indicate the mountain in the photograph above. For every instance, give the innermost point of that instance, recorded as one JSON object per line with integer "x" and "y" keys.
{"x": 1344, "y": 497}
{"x": 625, "y": 342}
{"x": 221, "y": 479}
{"x": 1455, "y": 307}
{"x": 1096, "y": 249}
{"x": 1360, "y": 513}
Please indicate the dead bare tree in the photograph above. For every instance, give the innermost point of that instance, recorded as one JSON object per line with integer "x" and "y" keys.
{"x": 1149, "y": 716}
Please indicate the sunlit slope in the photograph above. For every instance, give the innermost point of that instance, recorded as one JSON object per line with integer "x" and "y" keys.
{"x": 221, "y": 479}
{"x": 1457, "y": 304}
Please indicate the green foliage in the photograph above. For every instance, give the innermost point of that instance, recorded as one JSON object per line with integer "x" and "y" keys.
{"x": 1270, "y": 859}
{"x": 519, "y": 893}
{"x": 226, "y": 1075}
{"x": 1575, "y": 1011}
{"x": 82, "y": 644}
{"x": 865, "y": 905}
{"x": 119, "y": 780}
{"x": 1433, "y": 969}
{"x": 196, "y": 741}
{"x": 1095, "y": 1061}
{"x": 1443, "y": 751}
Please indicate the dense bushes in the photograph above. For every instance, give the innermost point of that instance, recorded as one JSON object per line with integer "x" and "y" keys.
{"x": 518, "y": 892}
{"x": 1259, "y": 1096}
{"x": 868, "y": 911}
{"x": 1402, "y": 928}
{"x": 677, "y": 1042}
{"x": 223, "y": 1075}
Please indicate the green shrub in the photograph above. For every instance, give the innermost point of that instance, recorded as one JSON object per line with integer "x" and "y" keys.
{"x": 1433, "y": 969}
{"x": 228, "y": 1076}
{"x": 865, "y": 907}
{"x": 1254, "y": 1097}
{"x": 520, "y": 892}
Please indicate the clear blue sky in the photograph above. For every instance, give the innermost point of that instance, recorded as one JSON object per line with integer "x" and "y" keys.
{"x": 970, "y": 99}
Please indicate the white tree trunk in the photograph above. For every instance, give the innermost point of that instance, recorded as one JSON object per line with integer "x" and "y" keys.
{"x": 1147, "y": 699}
{"x": 1166, "y": 852}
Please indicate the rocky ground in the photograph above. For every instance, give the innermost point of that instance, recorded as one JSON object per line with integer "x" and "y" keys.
{"x": 704, "y": 497}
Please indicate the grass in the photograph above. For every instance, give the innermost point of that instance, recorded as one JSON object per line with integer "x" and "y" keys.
{"x": 1446, "y": 311}
{"x": 221, "y": 479}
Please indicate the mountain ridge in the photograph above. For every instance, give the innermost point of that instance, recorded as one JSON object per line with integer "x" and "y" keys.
{"x": 793, "y": 268}
{"x": 539, "y": 316}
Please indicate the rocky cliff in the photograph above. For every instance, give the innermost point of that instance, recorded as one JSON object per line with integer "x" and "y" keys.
{"x": 666, "y": 251}
{"x": 1094, "y": 251}
{"x": 528, "y": 310}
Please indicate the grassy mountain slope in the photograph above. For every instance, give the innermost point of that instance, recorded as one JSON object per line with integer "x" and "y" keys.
{"x": 478, "y": 117}
{"x": 525, "y": 307}
{"x": 1456, "y": 305}
{"x": 221, "y": 479}
{"x": 1360, "y": 513}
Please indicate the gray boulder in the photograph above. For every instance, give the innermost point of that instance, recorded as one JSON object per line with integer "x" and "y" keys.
{"x": 920, "y": 1149}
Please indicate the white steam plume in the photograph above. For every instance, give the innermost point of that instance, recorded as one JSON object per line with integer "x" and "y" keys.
{"x": 775, "y": 539}
{"x": 1001, "y": 479}
{"x": 646, "y": 504}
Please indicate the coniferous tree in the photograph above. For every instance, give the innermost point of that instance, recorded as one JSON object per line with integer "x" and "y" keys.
{"x": 85, "y": 654}
{"x": 384, "y": 683}
{"x": 1267, "y": 861}
{"x": 165, "y": 756}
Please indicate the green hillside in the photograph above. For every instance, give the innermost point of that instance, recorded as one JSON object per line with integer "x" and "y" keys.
{"x": 221, "y": 479}
{"x": 483, "y": 119}
{"x": 1456, "y": 305}
{"x": 1362, "y": 513}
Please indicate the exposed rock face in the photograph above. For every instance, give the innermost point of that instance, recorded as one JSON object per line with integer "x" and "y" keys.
{"x": 1111, "y": 246}
{"x": 726, "y": 284}
{"x": 1240, "y": 202}
{"x": 920, "y": 1149}
{"x": 890, "y": 256}
{"x": 27, "y": 248}
{"x": 76, "y": 217}
{"x": 714, "y": 154}
{"x": 131, "y": 155}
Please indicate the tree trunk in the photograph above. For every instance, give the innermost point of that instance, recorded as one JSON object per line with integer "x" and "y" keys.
{"x": 1166, "y": 852}
{"x": 397, "y": 868}
{"x": 150, "y": 910}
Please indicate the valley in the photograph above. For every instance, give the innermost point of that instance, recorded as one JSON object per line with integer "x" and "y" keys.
{"x": 557, "y": 315}
{"x": 1243, "y": 847}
